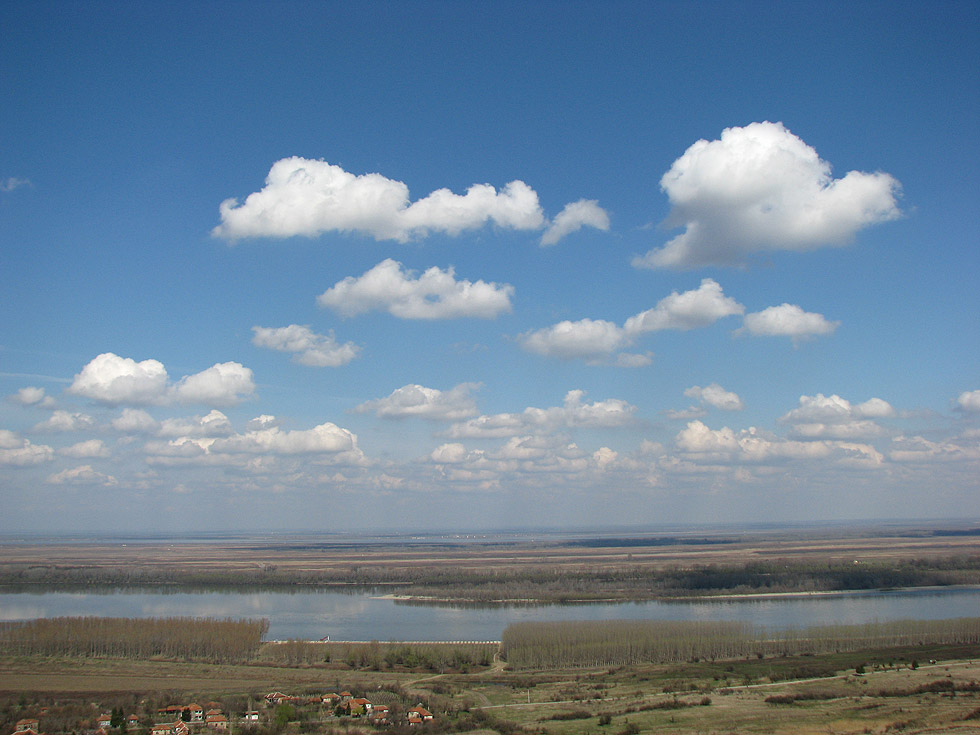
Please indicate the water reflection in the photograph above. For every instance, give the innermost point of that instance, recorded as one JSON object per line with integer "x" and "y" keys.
{"x": 369, "y": 615}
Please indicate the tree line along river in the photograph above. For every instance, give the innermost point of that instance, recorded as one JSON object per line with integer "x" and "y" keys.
{"x": 372, "y": 615}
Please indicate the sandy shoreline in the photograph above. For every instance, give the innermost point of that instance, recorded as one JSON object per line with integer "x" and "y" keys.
{"x": 679, "y": 598}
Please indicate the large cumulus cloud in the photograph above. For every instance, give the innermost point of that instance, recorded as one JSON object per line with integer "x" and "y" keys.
{"x": 109, "y": 378}
{"x": 760, "y": 188}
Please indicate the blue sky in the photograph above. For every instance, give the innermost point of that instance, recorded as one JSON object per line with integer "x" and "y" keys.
{"x": 479, "y": 265}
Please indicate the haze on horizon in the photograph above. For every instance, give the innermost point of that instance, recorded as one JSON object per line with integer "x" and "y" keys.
{"x": 487, "y": 265}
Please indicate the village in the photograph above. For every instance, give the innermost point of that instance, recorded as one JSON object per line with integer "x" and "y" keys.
{"x": 278, "y": 709}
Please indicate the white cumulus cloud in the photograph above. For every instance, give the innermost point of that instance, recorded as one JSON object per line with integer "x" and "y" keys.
{"x": 969, "y": 400}
{"x": 435, "y": 294}
{"x": 19, "y": 452}
{"x": 325, "y": 438}
{"x": 833, "y": 417}
{"x": 427, "y": 403}
{"x": 584, "y": 212}
{"x": 135, "y": 420}
{"x": 308, "y": 197}
{"x": 86, "y": 449}
{"x": 112, "y": 379}
{"x": 716, "y": 396}
{"x": 701, "y": 444}
{"x": 760, "y": 188}
{"x": 32, "y": 396}
{"x": 611, "y": 412}
{"x": 109, "y": 378}
{"x": 222, "y": 384}
{"x": 308, "y": 347}
{"x": 787, "y": 320}
{"x": 590, "y": 339}
{"x": 213, "y": 424}
{"x": 84, "y": 475}
{"x": 699, "y": 307}
{"x": 65, "y": 421}
{"x": 595, "y": 340}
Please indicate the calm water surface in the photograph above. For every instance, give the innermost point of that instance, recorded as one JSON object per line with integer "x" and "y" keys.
{"x": 368, "y": 616}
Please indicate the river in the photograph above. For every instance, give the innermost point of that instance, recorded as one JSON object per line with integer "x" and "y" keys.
{"x": 364, "y": 616}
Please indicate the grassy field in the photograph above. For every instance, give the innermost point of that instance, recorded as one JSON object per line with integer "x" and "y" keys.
{"x": 805, "y": 694}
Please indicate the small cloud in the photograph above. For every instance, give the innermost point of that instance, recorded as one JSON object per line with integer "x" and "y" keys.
{"x": 436, "y": 294}
{"x": 65, "y": 421}
{"x": 16, "y": 451}
{"x": 787, "y": 320}
{"x": 716, "y": 396}
{"x": 590, "y": 339}
{"x": 31, "y": 396}
{"x": 691, "y": 412}
{"x": 692, "y": 309}
{"x": 833, "y": 417}
{"x": 308, "y": 347}
{"x": 12, "y": 183}
{"x": 92, "y": 448}
{"x": 969, "y": 400}
{"x": 135, "y": 420}
{"x": 84, "y": 475}
{"x": 584, "y": 212}
{"x": 609, "y": 413}
{"x": 427, "y": 403}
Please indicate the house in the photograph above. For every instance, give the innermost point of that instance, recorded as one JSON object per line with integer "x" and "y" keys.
{"x": 26, "y": 724}
{"x": 197, "y": 712}
{"x": 379, "y": 714}
{"x": 217, "y": 722}
{"x": 418, "y": 714}
{"x": 212, "y": 711}
{"x": 252, "y": 715}
{"x": 178, "y": 727}
{"x": 363, "y": 704}
{"x": 354, "y": 707}
{"x": 104, "y": 722}
{"x": 329, "y": 698}
{"x": 132, "y": 721}
{"x": 277, "y": 698}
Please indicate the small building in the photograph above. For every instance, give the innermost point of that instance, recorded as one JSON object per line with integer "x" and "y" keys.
{"x": 252, "y": 715}
{"x": 418, "y": 714}
{"x": 178, "y": 727}
{"x": 379, "y": 714}
{"x": 216, "y": 722}
{"x": 26, "y": 724}
{"x": 277, "y": 698}
{"x": 132, "y": 721}
{"x": 104, "y": 722}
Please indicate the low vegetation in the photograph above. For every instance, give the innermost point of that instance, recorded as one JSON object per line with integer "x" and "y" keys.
{"x": 542, "y": 583}
{"x": 631, "y": 642}
{"x": 900, "y": 689}
{"x": 188, "y": 638}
